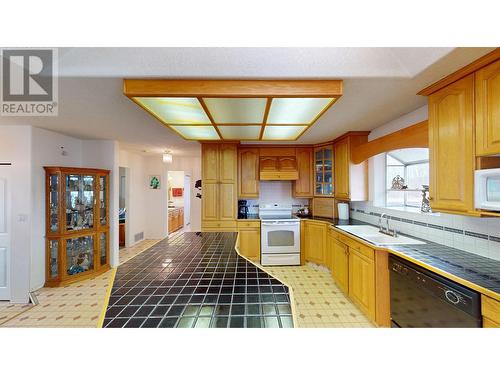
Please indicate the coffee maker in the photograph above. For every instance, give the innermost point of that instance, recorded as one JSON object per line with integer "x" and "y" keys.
{"x": 242, "y": 209}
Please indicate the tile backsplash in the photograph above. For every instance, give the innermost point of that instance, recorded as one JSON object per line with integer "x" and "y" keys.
{"x": 276, "y": 192}
{"x": 479, "y": 236}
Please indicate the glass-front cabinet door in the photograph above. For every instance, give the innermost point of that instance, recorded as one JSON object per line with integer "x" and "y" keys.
{"x": 53, "y": 258}
{"x": 53, "y": 203}
{"x": 103, "y": 248}
{"x": 79, "y": 254}
{"x": 103, "y": 200}
{"x": 323, "y": 171}
{"x": 80, "y": 202}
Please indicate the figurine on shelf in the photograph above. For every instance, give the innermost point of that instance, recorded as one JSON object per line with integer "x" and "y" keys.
{"x": 398, "y": 183}
{"x": 426, "y": 206}
{"x": 82, "y": 260}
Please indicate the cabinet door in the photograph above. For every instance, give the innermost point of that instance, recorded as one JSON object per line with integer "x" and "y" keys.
{"x": 488, "y": 109}
{"x": 340, "y": 265}
{"x": 210, "y": 197}
{"x": 362, "y": 282}
{"x": 315, "y": 242}
{"x": 227, "y": 202}
{"x": 210, "y": 162}
{"x": 269, "y": 164}
{"x": 342, "y": 160}
{"x": 303, "y": 187}
{"x": 250, "y": 243}
{"x": 248, "y": 173}
{"x": 451, "y": 143}
{"x": 228, "y": 159}
{"x": 487, "y": 323}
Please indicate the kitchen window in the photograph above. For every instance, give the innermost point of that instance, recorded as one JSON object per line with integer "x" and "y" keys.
{"x": 412, "y": 164}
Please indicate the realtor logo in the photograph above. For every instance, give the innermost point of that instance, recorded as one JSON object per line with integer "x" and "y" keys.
{"x": 29, "y": 84}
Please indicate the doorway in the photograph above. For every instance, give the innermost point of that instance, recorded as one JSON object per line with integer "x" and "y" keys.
{"x": 5, "y": 244}
{"x": 124, "y": 208}
{"x": 179, "y": 201}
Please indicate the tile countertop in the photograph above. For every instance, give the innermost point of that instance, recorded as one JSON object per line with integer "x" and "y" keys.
{"x": 482, "y": 272}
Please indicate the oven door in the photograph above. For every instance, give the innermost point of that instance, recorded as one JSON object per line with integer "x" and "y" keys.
{"x": 280, "y": 237}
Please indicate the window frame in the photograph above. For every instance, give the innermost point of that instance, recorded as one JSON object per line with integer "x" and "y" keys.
{"x": 405, "y": 173}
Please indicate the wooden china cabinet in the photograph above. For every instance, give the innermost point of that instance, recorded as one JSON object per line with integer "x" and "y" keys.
{"x": 77, "y": 224}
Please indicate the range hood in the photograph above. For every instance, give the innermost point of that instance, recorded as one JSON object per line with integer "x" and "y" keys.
{"x": 278, "y": 168}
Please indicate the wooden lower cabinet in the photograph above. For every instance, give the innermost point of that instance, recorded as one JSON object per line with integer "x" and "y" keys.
{"x": 175, "y": 219}
{"x": 488, "y": 323}
{"x": 249, "y": 241}
{"x": 315, "y": 242}
{"x": 362, "y": 282}
{"x": 340, "y": 265}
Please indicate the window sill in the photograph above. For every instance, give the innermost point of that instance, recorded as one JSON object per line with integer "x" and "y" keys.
{"x": 414, "y": 210}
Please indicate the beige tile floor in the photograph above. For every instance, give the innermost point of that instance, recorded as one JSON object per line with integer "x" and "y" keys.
{"x": 77, "y": 305}
{"x": 317, "y": 301}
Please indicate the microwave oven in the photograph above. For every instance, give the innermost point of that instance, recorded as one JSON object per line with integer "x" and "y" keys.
{"x": 487, "y": 189}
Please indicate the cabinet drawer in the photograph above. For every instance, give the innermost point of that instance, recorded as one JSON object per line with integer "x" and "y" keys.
{"x": 359, "y": 247}
{"x": 220, "y": 224}
{"x": 334, "y": 233}
{"x": 490, "y": 308}
{"x": 248, "y": 224}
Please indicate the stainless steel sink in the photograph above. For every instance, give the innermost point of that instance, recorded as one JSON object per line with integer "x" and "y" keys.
{"x": 371, "y": 234}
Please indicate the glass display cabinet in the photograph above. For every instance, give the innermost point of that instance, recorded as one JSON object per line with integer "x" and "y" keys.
{"x": 77, "y": 224}
{"x": 323, "y": 171}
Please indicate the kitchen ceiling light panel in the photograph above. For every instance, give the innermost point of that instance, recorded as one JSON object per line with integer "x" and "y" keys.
{"x": 236, "y": 110}
{"x": 282, "y": 133}
{"x": 176, "y": 110}
{"x": 240, "y": 132}
{"x": 197, "y": 132}
{"x": 296, "y": 110}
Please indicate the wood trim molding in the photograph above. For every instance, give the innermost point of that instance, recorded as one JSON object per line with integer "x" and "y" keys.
{"x": 413, "y": 136}
{"x": 465, "y": 71}
{"x": 232, "y": 88}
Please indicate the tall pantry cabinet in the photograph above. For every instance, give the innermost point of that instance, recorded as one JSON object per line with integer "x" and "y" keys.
{"x": 219, "y": 186}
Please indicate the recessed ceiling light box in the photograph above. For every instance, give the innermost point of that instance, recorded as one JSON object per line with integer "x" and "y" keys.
{"x": 235, "y": 110}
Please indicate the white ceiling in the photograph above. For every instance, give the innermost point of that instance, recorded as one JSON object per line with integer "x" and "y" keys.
{"x": 380, "y": 84}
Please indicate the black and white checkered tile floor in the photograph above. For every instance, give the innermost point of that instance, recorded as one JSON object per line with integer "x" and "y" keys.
{"x": 196, "y": 280}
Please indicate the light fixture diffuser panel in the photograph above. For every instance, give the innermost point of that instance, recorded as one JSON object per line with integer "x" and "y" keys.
{"x": 240, "y": 132}
{"x": 296, "y": 110}
{"x": 236, "y": 110}
{"x": 176, "y": 110}
{"x": 282, "y": 133}
{"x": 197, "y": 132}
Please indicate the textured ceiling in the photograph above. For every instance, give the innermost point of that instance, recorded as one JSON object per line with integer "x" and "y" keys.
{"x": 380, "y": 84}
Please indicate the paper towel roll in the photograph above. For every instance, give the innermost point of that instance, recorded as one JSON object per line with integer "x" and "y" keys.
{"x": 343, "y": 209}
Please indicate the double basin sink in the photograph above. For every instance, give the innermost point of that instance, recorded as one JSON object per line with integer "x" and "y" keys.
{"x": 373, "y": 235}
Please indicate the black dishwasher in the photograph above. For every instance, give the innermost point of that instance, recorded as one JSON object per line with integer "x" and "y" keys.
{"x": 423, "y": 299}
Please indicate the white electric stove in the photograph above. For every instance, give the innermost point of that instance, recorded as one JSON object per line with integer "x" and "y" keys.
{"x": 280, "y": 235}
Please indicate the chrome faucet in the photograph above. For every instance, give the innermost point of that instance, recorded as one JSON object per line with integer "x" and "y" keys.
{"x": 386, "y": 230}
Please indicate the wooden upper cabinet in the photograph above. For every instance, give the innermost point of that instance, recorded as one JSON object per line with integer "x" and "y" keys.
{"x": 303, "y": 186}
{"x": 342, "y": 160}
{"x": 278, "y": 168}
{"x": 248, "y": 173}
{"x": 487, "y": 88}
{"x": 210, "y": 162}
{"x": 228, "y": 163}
{"x": 350, "y": 180}
{"x": 451, "y": 144}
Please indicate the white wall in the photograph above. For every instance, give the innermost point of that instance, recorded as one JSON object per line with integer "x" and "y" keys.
{"x": 15, "y": 148}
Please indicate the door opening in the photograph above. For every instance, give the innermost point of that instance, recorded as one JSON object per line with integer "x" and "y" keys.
{"x": 5, "y": 230}
{"x": 124, "y": 213}
{"x": 179, "y": 201}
